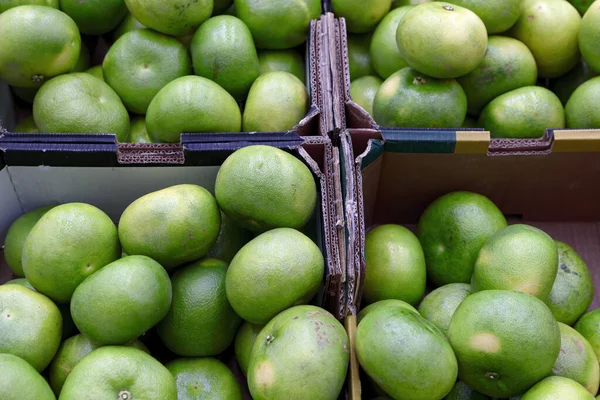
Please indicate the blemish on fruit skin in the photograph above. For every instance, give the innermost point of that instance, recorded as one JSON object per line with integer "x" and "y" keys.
{"x": 264, "y": 375}
{"x": 486, "y": 342}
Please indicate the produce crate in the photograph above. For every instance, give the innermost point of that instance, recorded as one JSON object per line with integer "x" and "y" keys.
{"x": 392, "y": 176}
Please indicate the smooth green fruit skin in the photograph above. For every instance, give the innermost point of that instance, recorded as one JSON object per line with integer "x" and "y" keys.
{"x": 395, "y": 345}
{"x": 38, "y": 43}
{"x": 111, "y": 371}
{"x": 223, "y": 51}
{"x": 462, "y": 391}
{"x": 8, "y": 4}
{"x": 290, "y": 267}
{"x": 83, "y": 62}
{"x": 282, "y": 60}
{"x": 201, "y": 321}
{"x": 589, "y": 326}
{"x": 30, "y": 325}
{"x": 277, "y": 102}
{"x": 140, "y": 63}
{"x": 363, "y": 91}
{"x": 573, "y": 289}
{"x": 577, "y": 360}
{"x": 508, "y": 64}
{"x": 16, "y": 235}
{"x": 395, "y": 265}
{"x": 439, "y": 306}
{"x": 137, "y": 286}
{"x": 262, "y": 187}
{"x": 360, "y": 16}
{"x": 580, "y": 109}
{"x": 50, "y": 262}
{"x": 589, "y": 37}
{"x": 128, "y": 24}
{"x": 96, "y": 72}
{"x": 191, "y": 104}
{"x": 523, "y": 113}
{"x": 519, "y": 257}
{"x": 508, "y": 323}
{"x": 497, "y": 15}
{"x": 172, "y": 226}
{"x": 384, "y": 303}
{"x": 80, "y": 103}
{"x": 231, "y": 239}
{"x": 359, "y": 56}
{"x": 175, "y": 18}
{"x": 95, "y": 17}
{"x": 442, "y": 40}
{"x": 204, "y": 379}
{"x": 410, "y": 99}
{"x": 20, "y": 381}
{"x": 564, "y": 86}
{"x": 301, "y": 353}
{"x": 452, "y": 230}
{"x": 26, "y": 125}
{"x": 138, "y": 132}
{"x": 278, "y": 24}
{"x": 557, "y": 388}
{"x": 244, "y": 342}
{"x": 385, "y": 56}
{"x": 20, "y": 281}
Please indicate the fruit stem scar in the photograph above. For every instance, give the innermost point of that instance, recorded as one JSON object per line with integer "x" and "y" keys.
{"x": 37, "y": 78}
{"x": 270, "y": 339}
{"x": 124, "y": 395}
{"x": 448, "y": 8}
{"x": 419, "y": 80}
{"x": 492, "y": 376}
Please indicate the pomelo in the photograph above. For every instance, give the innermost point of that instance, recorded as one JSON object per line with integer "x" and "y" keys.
{"x": 175, "y": 18}
{"x": 462, "y": 391}
{"x": 290, "y": 265}
{"x": 20, "y": 381}
{"x": 573, "y": 289}
{"x": 394, "y": 346}
{"x": 50, "y": 262}
{"x": 140, "y": 63}
{"x": 580, "y": 109}
{"x": 282, "y": 60}
{"x": 497, "y": 15}
{"x": 204, "y": 378}
{"x": 564, "y": 86}
{"x": 410, "y": 99}
{"x": 38, "y": 43}
{"x": 395, "y": 265}
{"x": 489, "y": 333}
{"x": 83, "y": 62}
{"x": 128, "y": 24}
{"x": 359, "y": 56}
{"x": 523, "y": 113}
{"x": 301, "y": 353}
{"x": 20, "y": 281}
{"x": 589, "y": 327}
{"x": 452, "y": 230}
{"x": 231, "y": 239}
{"x": 27, "y": 125}
{"x": 384, "y": 303}
{"x": 363, "y": 91}
{"x": 385, "y": 56}
{"x": 138, "y": 132}
{"x": 172, "y": 226}
{"x": 589, "y": 36}
{"x": 96, "y": 72}
{"x": 439, "y": 306}
{"x": 201, "y": 321}
{"x": 95, "y": 17}
{"x": 263, "y": 187}
{"x": 442, "y": 40}
{"x": 7, "y": 4}
{"x": 80, "y": 103}
{"x": 244, "y": 342}
{"x": 361, "y": 16}
{"x": 191, "y": 104}
{"x": 557, "y": 388}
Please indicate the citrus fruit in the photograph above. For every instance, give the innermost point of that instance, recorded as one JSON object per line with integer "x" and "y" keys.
{"x": 582, "y": 5}
{"x": 223, "y": 50}
{"x": 172, "y": 226}
{"x": 231, "y": 239}
{"x": 83, "y": 62}
{"x": 290, "y": 264}
{"x": 452, "y": 230}
{"x": 204, "y": 379}
{"x": 385, "y": 303}
{"x": 7, "y": 4}
{"x": 80, "y": 103}
{"x": 16, "y": 235}
{"x": 508, "y": 64}
{"x": 30, "y": 325}
{"x": 142, "y": 62}
{"x": 200, "y": 321}
{"x": 395, "y": 265}
{"x": 519, "y": 257}
{"x": 138, "y": 132}
{"x": 577, "y": 359}
{"x": 50, "y": 262}
{"x": 442, "y": 40}
{"x": 20, "y": 381}
{"x": 277, "y": 101}
{"x": 128, "y": 24}
{"x": 564, "y": 86}
{"x": 175, "y": 18}
{"x": 385, "y": 56}
{"x": 410, "y": 99}
{"x": 589, "y": 327}
{"x": 20, "y": 281}
{"x": 279, "y": 24}
{"x": 137, "y": 286}
{"x": 462, "y": 391}
{"x": 282, "y": 60}
{"x": 38, "y": 43}
{"x": 244, "y": 341}
{"x": 439, "y": 306}
{"x": 359, "y": 56}
{"x": 361, "y": 16}
{"x": 489, "y": 332}
{"x": 363, "y": 91}
{"x": 589, "y": 36}
{"x": 573, "y": 289}
{"x": 96, "y": 72}
{"x": 191, "y": 104}
{"x": 541, "y": 20}
{"x": 26, "y": 125}
{"x": 557, "y": 388}
{"x": 393, "y": 345}
{"x": 263, "y": 187}
{"x": 301, "y": 353}
{"x": 497, "y": 15}
{"x": 580, "y": 108}
{"x": 95, "y": 17}
{"x": 70, "y": 352}
{"x": 118, "y": 372}
{"x": 523, "y": 113}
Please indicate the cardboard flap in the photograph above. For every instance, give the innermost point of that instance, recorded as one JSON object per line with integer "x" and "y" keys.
{"x": 576, "y": 140}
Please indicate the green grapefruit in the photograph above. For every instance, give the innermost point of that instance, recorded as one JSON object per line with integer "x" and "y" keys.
{"x": 7, "y": 4}
{"x": 95, "y": 17}
{"x": 363, "y": 91}
{"x": 359, "y": 56}
{"x": 282, "y": 60}
{"x": 83, "y": 62}
{"x": 582, "y": 5}
{"x": 384, "y": 303}
{"x": 204, "y": 379}
{"x": 361, "y": 16}
{"x": 589, "y": 36}
{"x": 564, "y": 86}
{"x": 27, "y": 125}
{"x": 497, "y": 15}
{"x": 138, "y": 132}
{"x": 589, "y": 326}
{"x": 439, "y": 306}
{"x": 582, "y": 105}
{"x": 244, "y": 342}
{"x": 175, "y": 18}
{"x": 231, "y": 239}
{"x": 557, "y": 388}
{"x": 128, "y": 24}
{"x": 96, "y": 71}
{"x": 20, "y": 381}
{"x": 385, "y": 56}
